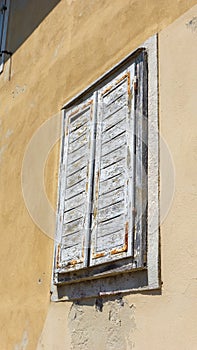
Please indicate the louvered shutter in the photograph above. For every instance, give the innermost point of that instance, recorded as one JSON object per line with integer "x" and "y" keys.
{"x": 112, "y": 220}
{"x": 76, "y": 187}
{"x": 120, "y": 188}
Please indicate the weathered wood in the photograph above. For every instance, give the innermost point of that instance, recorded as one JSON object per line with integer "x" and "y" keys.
{"x": 112, "y": 197}
{"x": 78, "y": 120}
{"x": 73, "y": 226}
{"x": 111, "y": 184}
{"x": 110, "y": 226}
{"x": 76, "y": 166}
{"x": 114, "y": 240}
{"x": 76, "y": 155}
{"x": 76, "y": 193}
{"x": 73, "y": 202}
{"x": 114, "y": 131}
{"x": 113, "y": 108}
{"x": 111, "y": 211}
{"x": 76, "y": 177}
{"x": 115, "y": 93}
{"x": 112, "y": 201}
{"x": 74, "y": 214}
{"x": 72, "y": 239}
{"x": 71, "y": 254}
{"x": 112, "y": 170}
{"x": 76, "y": 189}
{"x": 115, "y": 143}
{"x": 116, "y": 156}
{"x": 114, "y": 118}
{"x": 77, "y": 133}
{"x": 78, "y": 143}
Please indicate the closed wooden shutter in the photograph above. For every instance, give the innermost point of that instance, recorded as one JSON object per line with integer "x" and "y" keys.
{"x": 119, "y": 217}
{"x": 112, "y": 220}
{"x": 76, "y": 187}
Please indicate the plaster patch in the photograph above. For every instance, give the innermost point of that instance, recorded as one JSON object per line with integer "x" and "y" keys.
{"x": 109, "y": 329}
{"x": 18, "y": 90}
{"x": 192, "y": 24}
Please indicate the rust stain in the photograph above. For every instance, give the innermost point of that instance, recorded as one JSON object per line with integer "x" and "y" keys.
{"x": 122, "y": 78}
{"x": 127, "y": 75}
{"x": 74, "y": 112}
{"x": 95, "y": 212}
{"x": 126, "y": 235}
{"x": 72, "y": 263}
{"x": 107, "y": 89}
{"x": 125, "y": 247}
{"x": 98, "y": 255}
{"x": 87, "y": 104}
{"x": 119, "y": 250}
{"x": 128, "y": 83}
{"x": 135, "y": 84}
{"x": 81, "y": 109}
{"x": 58, "y": 256}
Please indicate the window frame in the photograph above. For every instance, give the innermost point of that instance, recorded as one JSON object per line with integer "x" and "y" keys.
{"x": 3, "y": 35}
{"x": 102, "y": 280}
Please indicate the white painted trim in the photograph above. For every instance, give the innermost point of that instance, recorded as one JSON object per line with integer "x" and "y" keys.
{"x": 153, "y": 165}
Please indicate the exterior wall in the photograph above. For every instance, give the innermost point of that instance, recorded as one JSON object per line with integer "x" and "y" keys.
{"x": 71, "y": 47}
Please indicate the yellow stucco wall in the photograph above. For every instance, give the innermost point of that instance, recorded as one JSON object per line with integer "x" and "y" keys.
{"x": 72, "y": 46}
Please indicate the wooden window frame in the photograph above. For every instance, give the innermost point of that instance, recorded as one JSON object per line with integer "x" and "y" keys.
{"x": 120, "y": 276}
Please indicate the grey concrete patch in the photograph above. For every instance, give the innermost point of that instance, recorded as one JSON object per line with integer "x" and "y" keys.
{"x": 107, "y": 326}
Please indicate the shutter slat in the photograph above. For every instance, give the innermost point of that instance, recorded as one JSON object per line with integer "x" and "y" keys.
{"x": 111, "y": 227}
{"x": 73, "y": 202}
{"x": 116, "y": 155}
{"x": 110, "y": 198}
{"x": 114, "y": 144}
{"x": 111, "y": 184}
{"x": 111, "y": 211}
{"x": 77, "y": 177}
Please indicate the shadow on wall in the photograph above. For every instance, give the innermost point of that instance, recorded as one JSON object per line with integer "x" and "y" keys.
{"x": 25, "y": 16}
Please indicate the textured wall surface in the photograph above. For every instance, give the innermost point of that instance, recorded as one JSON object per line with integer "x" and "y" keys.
{"x": 73, "y": 45}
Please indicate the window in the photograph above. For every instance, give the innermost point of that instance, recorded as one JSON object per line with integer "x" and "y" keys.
{"x": 4, "y": 11}
{"x": 107, "y": 221}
